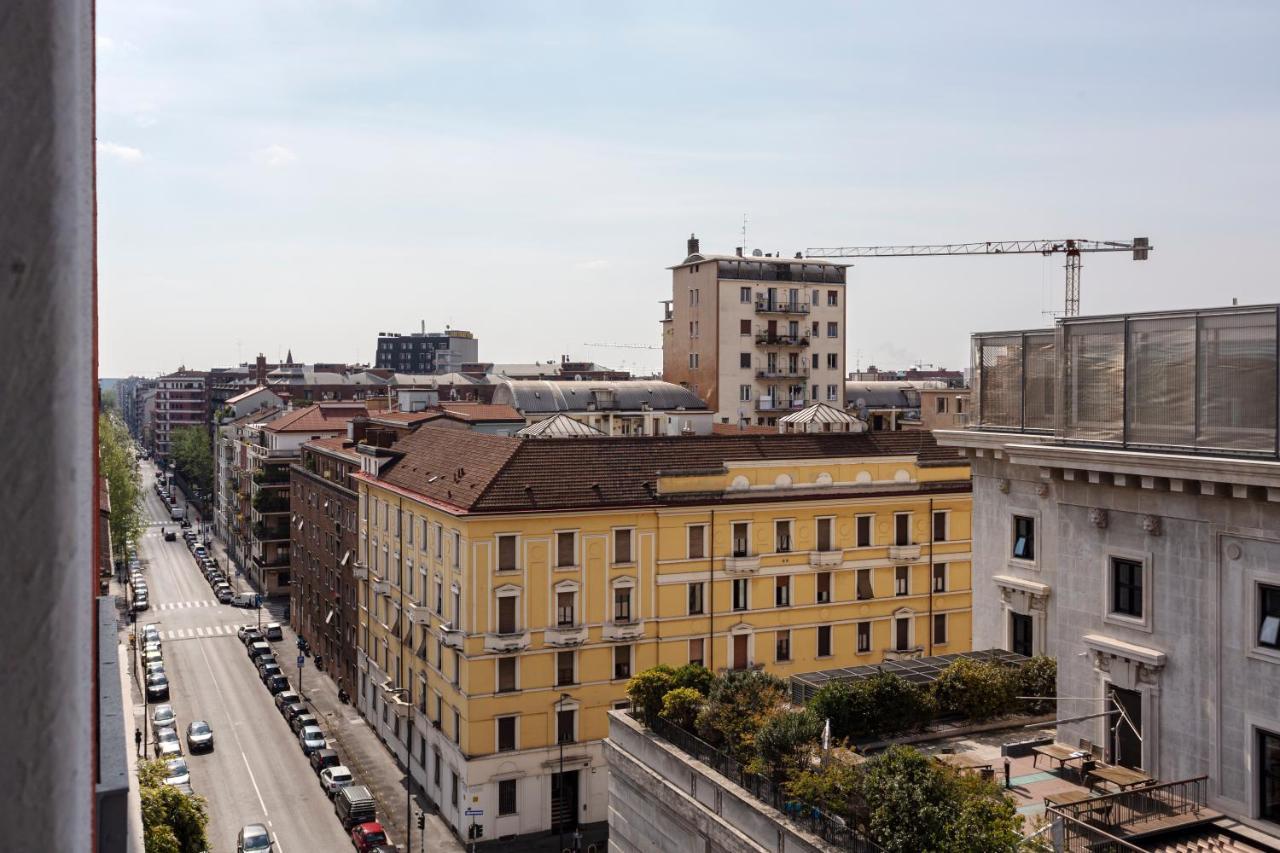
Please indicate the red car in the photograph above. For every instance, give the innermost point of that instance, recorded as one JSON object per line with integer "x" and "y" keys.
{"x": 367, "y": 836}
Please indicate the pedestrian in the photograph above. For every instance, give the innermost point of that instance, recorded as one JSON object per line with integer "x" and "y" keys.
{"x": 137, "y": 740}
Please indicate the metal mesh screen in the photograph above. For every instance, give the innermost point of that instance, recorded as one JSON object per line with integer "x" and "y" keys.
{"x": 1000, "y": 364}
{"x": 1237, "y": 381}
{"x": 1037, "y": 403}
{"x": 1161, "y": 404}
{"x": 1093, "y": 381}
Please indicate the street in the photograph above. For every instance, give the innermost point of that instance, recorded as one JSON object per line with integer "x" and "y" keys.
{"x": 257, "y": 772}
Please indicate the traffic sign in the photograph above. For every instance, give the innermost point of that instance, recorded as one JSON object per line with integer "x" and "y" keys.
{"x": 474, "y": 812}
{"x": 301, "y": 660}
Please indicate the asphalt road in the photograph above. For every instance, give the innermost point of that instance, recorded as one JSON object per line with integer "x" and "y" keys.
{"x": 256, "y": 772}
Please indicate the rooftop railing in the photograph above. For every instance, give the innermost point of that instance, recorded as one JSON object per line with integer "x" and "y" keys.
{"x": 1190, "y": 381}
{"x": 1138, "y": 810}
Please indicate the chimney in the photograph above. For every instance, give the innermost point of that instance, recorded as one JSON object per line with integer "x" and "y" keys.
{"x": 693, "y": 245}
{"x": 799, "y": 256}
{"x": 738, "y": 251}
{"x": 260, "y": 370}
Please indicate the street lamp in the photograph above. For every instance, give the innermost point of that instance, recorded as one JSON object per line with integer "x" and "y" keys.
{"x": 408, "y": 776}
{"x": 560, "y": 738}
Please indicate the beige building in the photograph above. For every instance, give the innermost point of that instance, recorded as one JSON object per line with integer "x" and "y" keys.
{"x": 755, "y": 336}
{"x": 944, "y": 408}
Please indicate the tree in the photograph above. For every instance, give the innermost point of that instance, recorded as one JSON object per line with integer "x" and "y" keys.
{"x": 835, "y": 788}
{"x": 192, "y": 456}
{"x": 738, "y": 704}
{"x": 647, "y": 689}
{"x": 124, "y": 489}
{"x": 694, "y": 675}
{"x": 681, "y": 706}
{"x": 1037, "y": 677}
{"x": 172, "y": 821}
{"x": 974, "y": 689}
{"x": 784, "y": 741}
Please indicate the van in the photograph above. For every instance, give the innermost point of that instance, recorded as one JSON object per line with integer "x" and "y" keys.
{"x": 177, "y": 513}
{"x": 354, "y": 805}
{"x": 243, "y": 599}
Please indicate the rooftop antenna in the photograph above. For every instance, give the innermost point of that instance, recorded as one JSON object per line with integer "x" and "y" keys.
{"x": 745, "y": 247}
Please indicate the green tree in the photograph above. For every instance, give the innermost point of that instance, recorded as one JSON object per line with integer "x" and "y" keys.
{"x": 738, "y": 704}
{"x": 885, "y": 704}
{"x": 785, "y": 741}
{"x": 109, "y": 402}
{"x": 696, "y": 676}
{"x": 681, "y": 706}
{"x": 1037, "y": 677}
{"x": 193, "y": 457}
{"x": 124, "y": 488}
{"x": 172, "y": 821}
{"x": 835, "y": 702}
{"x": 835, "y": 788}
{"x": 974, "y": 689}
{"x": 646, "y": 690}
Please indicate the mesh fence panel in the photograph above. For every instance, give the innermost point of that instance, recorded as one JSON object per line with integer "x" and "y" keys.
{"x": 1039, "y": 389}
{"x": 1001, "y": 388}
{"x": 1093, "y": 381}
{"x": 1161, "y": 406}
{"x": 1237, "y": 382}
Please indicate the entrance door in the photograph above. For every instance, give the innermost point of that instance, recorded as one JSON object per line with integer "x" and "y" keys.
{"x": 564, "y": 801}
{"x": 740, "y": 651}
{"x": 1020, "y": 633}
{"x": 1126, "y": 745}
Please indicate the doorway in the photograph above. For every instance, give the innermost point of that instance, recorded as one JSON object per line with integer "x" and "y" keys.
{"x": 564, "y": 801}
{"x": 1125, "y": 739}
{"x": 1020, "y": 634}
{"x": 739, "y": 651}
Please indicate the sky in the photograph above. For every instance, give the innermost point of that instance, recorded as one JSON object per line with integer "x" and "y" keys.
{"x": 300, "y": 175}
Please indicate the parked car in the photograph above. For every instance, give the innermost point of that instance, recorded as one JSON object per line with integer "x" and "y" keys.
{"x": 301, "y": 721}
{"x": 199, "y": 736}
{"x": 244, "y": 599}
{"x": 334, "y": 779}
{"x": 292, "y": 711}
{"x": 367, "y": 836}
{"x": 270, "y": 671}
{"x": 265, "y": 660}
{"x": 354, "y": 805}
{"x": 258, "y": 649}
{"x": 322, "y": 758}
{"x": 157, "y": 686}
{"x": 311, "y": 738}
{"x": 141, "y": 603}
{"x": 150, "y": 646}
{"x": 224, "y": 594}
{"x": 274, "y": 632}
{"x": 186, "y": 522}
{"x": 240, "y": 632}
{"x": 251, "y": 636}
{"x": 176, "y": 772}
{"x": 152, "y": 657}
{"x": 151, "y": 634}
{"x": 254, "y": 838}
{"x": 285, "y": 699}
{"x": 200, "y": 552}
{"x": 168, "y": 745}
{"x": 164, "y": 716}
{"x": 153, "y": 668}
{"x": 276, "y": 683}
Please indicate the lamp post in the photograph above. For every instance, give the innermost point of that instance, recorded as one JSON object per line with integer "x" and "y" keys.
{"x": 560, "y": 739}
{"x": 408, "y": 776}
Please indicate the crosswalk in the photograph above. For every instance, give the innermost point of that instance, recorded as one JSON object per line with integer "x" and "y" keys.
{"x": 183, "y": 605}
{"x": 196, "y": 633}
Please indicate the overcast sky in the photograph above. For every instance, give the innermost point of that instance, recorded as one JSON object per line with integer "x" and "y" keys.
{"x": 302, "y": 174}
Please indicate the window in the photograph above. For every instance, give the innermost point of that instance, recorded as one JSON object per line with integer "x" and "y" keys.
{"x": 506, "y": 614}
{"x": 814, "y": 360}
{"x": 622, "y": 546}
{"x": 439, "y": 596}
{"x": 939, "y": 629}
{"x": 1024, "y": 537}
{"x": 741, "y": 539}
{"x": 833, "y": 298}
{"x": 744, "y": 294}
{"x": 695, "y": 651}
{"x": 782, "y": 591}
{"x": 457, "y": 716}
{"x": 453, "y": 789}
{"x": 902, "y": 528}
{"x": 621, "y": 662}
{"x": 1269, "y": 617}
{"x": 901, "y": 580}
{"x": 833, "y": 393}
{"x": 941, "y": 405}
{"x": 566, "y": 719}
{"x": 940, "y": 526}
{"x": 864, "y": 585}
{"x": 744, "y": 360}
{"x": 833, "y": 362}
{"x": 565, "y": 608}
{"x": 864, "y": 637}
{"x": 939, "y": 577}
{"x": 506, "y": 553}
{"x": 439, "y": 542}
{"x": 1126, "y": 587}
{"x": 697, "y": 544}
{"x": 506, "y": 734}
{"x": 740, "y": 587}
{"x": 744, "y": 327}
{"x": 622, "y": 604}
{"x": 902, "y": 633}
{"x": 566, "y": 549}
{"x": 506, "y": 675}
{"x": 823, "y": 580}
{"x": 693, "y": 360}
{"x": 833, "y": 329}
{"x": 565, "y": 669}
{"x": 1269, "y": 775}
{"x": 824, "y": 641}
{"x": 696, "y": 591}
{"x": 782, "y": 536}
{"x": 435, "y": 768}
{"x": 824, "y": 534}
{"x": 782, "y": 646}
{"x": 506, "y": 797}
{"x": 455, "y": 539}
{"x": 693, "y": 296}
{"x": 457, "y": 608}
{"x": 744, "y": 393}
{"x": 864, "y": 531}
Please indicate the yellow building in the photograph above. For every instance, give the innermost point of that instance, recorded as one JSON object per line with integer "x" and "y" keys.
{"x": 509, "y": 588}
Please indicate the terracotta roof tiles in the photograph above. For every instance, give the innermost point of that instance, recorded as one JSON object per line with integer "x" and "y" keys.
{"x": 318, "y": 418}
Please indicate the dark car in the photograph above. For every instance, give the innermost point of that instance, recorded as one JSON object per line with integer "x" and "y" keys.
{"x": 170, "y": 536}
{"x": 199, "y": 736}
{"x": 264, "y": 661}
{"x": 302, "y": 720}
{"x": 294, "y": 710}
{"x": 322, "y": 758}
{"x": 251, "y": 635}
{"x": 285, "y": 699}
{"x": 270, "y": 671}
{"x": 157, "y": 686}
{"x": 277, "y": 683}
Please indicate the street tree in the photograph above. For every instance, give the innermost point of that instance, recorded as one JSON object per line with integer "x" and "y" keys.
{"x": 117, "y": 463}
{"x": 172, "y": 821}
{"x": 193, "y": 457}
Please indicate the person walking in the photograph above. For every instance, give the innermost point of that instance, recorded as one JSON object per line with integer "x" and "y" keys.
{"x": 137, "y": 740}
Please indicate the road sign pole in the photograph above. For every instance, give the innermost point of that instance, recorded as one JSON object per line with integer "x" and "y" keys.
{"x": 301, "y": 661}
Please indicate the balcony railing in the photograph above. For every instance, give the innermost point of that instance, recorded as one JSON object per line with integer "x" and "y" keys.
{"x": 767, "y": 404}
{"x": 904, "y": 552}
{"x": 797, "y": 372}
{"x": 506, "y": 642}
{"x": 826, "y": 558}
{"x": 622, "y": 630}
{"x": 565, "y": 635}
{"x": 781, "y": 306}
{"x": 264, "y": 533}
{"x": 1140, "y": 810}
{"x": 777, "y": 339}
{"x": 742, "y": 564}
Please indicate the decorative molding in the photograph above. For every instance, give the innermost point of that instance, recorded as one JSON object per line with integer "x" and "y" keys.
{"x": 1003, "y": 485}
{"x": 1151, "y": 525}
{"x": 1099, "y": 517}
{"x": 1042, "y": 488}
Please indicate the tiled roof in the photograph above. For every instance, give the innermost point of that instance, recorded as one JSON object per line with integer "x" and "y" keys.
{"x": 257, "y": 416}
{"x": 339, "y": 445}
{"x": 486, "y": 473}
{"x": 480, "y": 412}
{"x": 746, "y": 429}
{"x": 318, "y": 418}
{"x": 402, "y": 418}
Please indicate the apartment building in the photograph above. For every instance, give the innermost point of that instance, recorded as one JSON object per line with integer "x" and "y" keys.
{"x": 509, "y": 588}
{"x": 1126, "y": 478}
{"x": 944, "y": 408}
{"x": 233, "y": 485}
{"x": 426, "y": 352}
{"x": 179, "y": 403}
{"x": 755, "y": 336}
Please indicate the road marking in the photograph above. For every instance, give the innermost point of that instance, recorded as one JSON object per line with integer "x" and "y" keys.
{"x": 200, "y": 632}
{"x": 239, "y": 745}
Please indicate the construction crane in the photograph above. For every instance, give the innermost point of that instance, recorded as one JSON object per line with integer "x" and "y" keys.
{"x": 622, "y": 346}
{"x": 1073, "y": 248}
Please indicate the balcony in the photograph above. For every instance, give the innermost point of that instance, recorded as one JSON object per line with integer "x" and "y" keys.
{"x": 452, "y": 637}
{"x": 781, "y": 306}
{"x": 565, "y": 635}
{"x": 801, "y": 339}
{"x": 418, "y": 614}
{"x": 274, "y": 533}
{"x": 268, "y": 503}
{"x": 359, "y": 571}
{"x": 742, "y": 564}
{"x": 381, "y": 586}
{"x": 904, "y": 553}
{"x": 623, "y": 630}
{"x": 819, "y": 559}
{"x": 271, "y": 476}
{"x": 515, "y": 642}
{"x": 768, "y": 404}
{"x": 779, "y": 372}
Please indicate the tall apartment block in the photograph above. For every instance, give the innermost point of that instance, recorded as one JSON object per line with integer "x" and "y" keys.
{"x": 180, "y": 402}
{"x": 426, "y": 352}
{"x": 755, "y": 336}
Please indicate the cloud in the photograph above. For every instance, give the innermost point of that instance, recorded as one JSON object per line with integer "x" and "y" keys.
{"x": 274, "y": 156}
{"x": 125, "y": 153}
{"x": 105, "y": 44}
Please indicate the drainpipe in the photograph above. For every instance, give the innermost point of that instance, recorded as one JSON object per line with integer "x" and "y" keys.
{"x": 930, "y": 626}
{"x": 710, "y": 651}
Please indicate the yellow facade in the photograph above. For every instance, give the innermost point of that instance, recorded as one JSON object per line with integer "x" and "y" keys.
{"x": 791, "y": 585}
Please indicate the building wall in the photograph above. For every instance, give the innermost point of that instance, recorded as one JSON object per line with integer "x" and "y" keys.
{"x": 954, "y": 405}
{"x": 658, "y": 575}
{"x": 702, "y": 380}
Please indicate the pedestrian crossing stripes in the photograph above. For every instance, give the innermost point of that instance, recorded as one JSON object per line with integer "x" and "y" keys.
{"x": 183, "y": 605}
{"x": 197, "y": 633}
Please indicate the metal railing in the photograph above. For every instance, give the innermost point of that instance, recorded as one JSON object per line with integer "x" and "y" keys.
{"x": 782, "y": 372}
{"x": 781, "y": 306}
{"x": 830, "y": 828}
{"x": 765, "y": 404}
{"x": 1126, "y": 812}
{"x": 800, "y": 339}
{"x": 1079, "y": 837}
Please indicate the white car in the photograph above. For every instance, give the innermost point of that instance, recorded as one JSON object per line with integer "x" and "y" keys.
{"x": 176, "y": 772}
{"x": 164, "y": 717}
{"x": 311, "y": 738}
{"x": 168, "y": 744}
{"x": 335, "y": 778}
